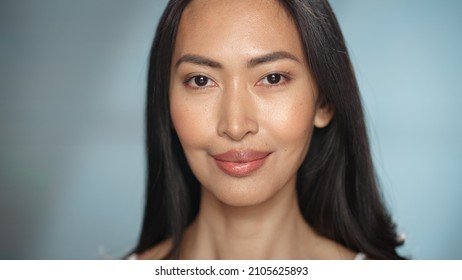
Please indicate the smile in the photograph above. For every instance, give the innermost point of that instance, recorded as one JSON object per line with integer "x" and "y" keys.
{"x": 240, "y": 163}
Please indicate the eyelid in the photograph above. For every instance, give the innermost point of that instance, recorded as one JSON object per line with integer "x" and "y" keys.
{"x": 286, "y": 77}
{"x": 191, "y": 76}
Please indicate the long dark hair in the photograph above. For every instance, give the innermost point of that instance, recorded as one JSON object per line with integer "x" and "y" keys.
{"x": 336, "y": 185}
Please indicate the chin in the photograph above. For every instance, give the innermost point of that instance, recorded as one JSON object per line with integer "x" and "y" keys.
{"x": 242, "y": 194}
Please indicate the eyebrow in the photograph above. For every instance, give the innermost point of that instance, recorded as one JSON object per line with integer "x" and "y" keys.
{"x": 271, "y": 57}
{"x": 267, "y": 58}
{"x": 199, "y": 60}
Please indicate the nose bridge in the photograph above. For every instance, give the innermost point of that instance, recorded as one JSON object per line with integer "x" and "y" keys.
{"x": 237, "y": 111}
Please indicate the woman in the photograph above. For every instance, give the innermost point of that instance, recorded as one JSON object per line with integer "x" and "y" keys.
{"x": 257, "y": 145}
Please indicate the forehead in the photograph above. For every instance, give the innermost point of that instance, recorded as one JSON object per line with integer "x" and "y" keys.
{"x": 223, "y": 28}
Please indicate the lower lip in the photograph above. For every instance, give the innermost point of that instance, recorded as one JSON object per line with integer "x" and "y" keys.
{"x": 240, "y": 169}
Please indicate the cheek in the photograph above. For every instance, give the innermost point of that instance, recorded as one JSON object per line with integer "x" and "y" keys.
{"x": 292, "y": 121}
{"x": 191, "y": 123}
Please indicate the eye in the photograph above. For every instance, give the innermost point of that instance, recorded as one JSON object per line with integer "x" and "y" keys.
{"x": 273, "y": 79}
{"x": 199, "y": 81}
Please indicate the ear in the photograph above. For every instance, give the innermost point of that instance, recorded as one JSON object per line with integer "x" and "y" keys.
{"x": 323, "y": 115}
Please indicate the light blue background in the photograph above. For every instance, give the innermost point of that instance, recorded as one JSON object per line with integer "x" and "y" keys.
{"x": 72, "y": 81}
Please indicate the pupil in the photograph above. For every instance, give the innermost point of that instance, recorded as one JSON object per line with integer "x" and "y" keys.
{"x": 274, "y": 78}
{"x": 201, "y": 80}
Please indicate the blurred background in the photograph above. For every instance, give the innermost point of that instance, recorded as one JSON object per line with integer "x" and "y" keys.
{"x": 72, "y": 82}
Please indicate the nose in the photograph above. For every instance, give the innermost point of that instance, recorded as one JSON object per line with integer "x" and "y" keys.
{"x": 238, "y": 114}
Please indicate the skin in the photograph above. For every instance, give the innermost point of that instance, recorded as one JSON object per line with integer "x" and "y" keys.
{"x": 240, "y": 81}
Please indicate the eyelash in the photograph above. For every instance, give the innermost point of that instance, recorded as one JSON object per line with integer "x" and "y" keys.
{"x": 282, "y": 79}
{"x": 190, "y": 80}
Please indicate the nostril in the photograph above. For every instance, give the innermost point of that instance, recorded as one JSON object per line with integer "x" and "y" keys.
{"x": 237, "y": 129}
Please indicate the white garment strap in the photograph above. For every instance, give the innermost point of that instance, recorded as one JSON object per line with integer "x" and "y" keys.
{"x": 132, "y": 257}
{"x": 360, "y": 256}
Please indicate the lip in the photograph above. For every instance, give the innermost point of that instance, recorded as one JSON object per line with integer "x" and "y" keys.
{"x": 241, "y": 163}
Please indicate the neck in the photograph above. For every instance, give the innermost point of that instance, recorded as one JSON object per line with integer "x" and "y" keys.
{"x": 274, "y": 229}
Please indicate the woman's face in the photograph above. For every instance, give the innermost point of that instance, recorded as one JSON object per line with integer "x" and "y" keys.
{"x": 242, "y": 99}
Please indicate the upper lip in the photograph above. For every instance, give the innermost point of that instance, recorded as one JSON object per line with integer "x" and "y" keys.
{"x": 241, "y": 155}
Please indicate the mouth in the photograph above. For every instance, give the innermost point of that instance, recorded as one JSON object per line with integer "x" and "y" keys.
{"x": 241, "y": 163}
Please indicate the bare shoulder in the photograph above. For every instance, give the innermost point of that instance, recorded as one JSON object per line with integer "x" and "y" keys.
{"x": 331, "y": 250}
{"x": 157, "y": 252}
